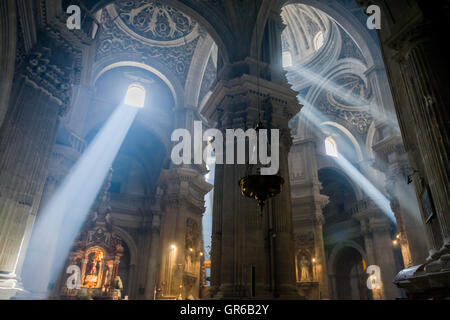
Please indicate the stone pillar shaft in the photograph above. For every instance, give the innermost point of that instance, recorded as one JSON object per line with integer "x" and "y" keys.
{"x": 428, "y": 94}
{"x": 152, "y": 272}
{"x": 26, "y": 141}
{"x": 250, "y": 251}
{"x": 180, "y": 239}
{"x": 40, "y": 93}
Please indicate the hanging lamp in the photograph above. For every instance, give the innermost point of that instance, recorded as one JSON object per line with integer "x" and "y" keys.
{"x": 254, "y": 185}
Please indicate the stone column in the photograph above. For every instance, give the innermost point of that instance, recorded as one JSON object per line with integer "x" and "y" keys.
{"x": 307, "y": 205}
{"x": 241, "y": 237}
{"x": 320, "y": 263}
{"x": 154, "y": 256}
{"x": 392, "y": 159}
{"x": 411, "y": 231}
{"x": 180, "y": 239}
{"x": 62, "y": 160}
{"x": 375, "y": 227}
{"x": 40, "y": 95}
{"x": 421, "y": 61}
{"x": 8, "y": 39}
{"x": 384, "y": 255}
{"x": 366, "y": 232}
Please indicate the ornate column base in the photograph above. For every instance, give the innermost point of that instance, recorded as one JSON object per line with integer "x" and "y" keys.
{"x": 10, "y": 287}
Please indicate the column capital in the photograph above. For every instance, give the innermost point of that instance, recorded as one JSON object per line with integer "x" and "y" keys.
{"x": 184, "y": 187}
{"x": 234, "y": 103}
{"x": 50, "y": 69}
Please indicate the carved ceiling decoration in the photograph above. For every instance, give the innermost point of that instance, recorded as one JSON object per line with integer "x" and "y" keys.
{"x": 303, "y": 25}
{"x": 349, "y": 104}
{"x": 351, "y": 94}
{"x": 114, "y": 41}
{"x": 154, "y": 22}
{"x": 349, "y": 48}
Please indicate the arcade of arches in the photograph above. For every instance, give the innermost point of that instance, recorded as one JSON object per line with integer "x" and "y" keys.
{"x": 364, "y": 212}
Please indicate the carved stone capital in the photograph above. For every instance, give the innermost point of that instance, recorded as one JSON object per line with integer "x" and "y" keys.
{"x": 234, "y": 104}
{"x": 184, "y": 188}
{"x": 50, "y": 70}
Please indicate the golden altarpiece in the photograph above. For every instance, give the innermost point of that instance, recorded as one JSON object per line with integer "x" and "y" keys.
{"x": 95, "y": 255}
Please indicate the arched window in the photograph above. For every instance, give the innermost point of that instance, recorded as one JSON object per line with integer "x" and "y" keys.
{"x": 287, "y": 59}
{"x": 319, "y": 40}
{"x": 135, "y": 96}
{"x": 331, "y": 147}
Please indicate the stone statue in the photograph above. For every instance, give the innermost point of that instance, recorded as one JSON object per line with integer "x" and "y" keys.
{"x": 305, "y": 265}
{"x": 107, "y": 279}
{"x": 118, "y": 286}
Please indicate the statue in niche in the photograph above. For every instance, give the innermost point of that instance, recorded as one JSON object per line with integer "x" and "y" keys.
{"x": 305, "y": 269}
{"x": 92, "y": 269}
{"x": 118, "y": 286}
{"x": 107, "y": 278}
{"x": 92, "y": 264}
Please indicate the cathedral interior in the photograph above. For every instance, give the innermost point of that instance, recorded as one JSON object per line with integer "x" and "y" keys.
{"x": 93, "y": 207}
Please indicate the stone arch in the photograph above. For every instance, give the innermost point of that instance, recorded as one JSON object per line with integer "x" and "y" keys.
{"x": 208, "y": 18}
{"x": 152, "y": 65}
{"x": 196, "y": 72}
{"x": 343, "y": 67}
{"x": 128, "y": 239}
{"x": 369, "y": 140}
{"x": 343, "y": 275}
{"x": 332, "y": 166}
{"x": 263, "y": 15}
{"x": 349, "y": 135}
{"x": 339, "y": 247}
{"x": 299, "y": 39}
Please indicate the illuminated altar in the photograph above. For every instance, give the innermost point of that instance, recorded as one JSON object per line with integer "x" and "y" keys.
{"x": 93, "y": 263}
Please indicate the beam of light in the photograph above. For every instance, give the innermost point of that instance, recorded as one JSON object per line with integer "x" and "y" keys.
{"x": 67, "y": 210}
{"x": 369, "y": 189}
{"x": 337, "y": 90}
{"x": 209, "y": 203}
{"x": 315, "y": 119}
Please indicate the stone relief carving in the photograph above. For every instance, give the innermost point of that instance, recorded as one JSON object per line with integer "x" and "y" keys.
{"x": 113, "y": 40}
{"x": 350, "y": 105}
{"x": 154, "y": 20}
{"x": 353, "y": 92}
{"x": 45, "y": 70}
{"x": 297, "y": 168}
{"x": 304, "y": 239}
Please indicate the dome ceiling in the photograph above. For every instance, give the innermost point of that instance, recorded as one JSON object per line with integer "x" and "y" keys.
{"x": 307, "y": 29}
{"x": 154, "y": 22}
